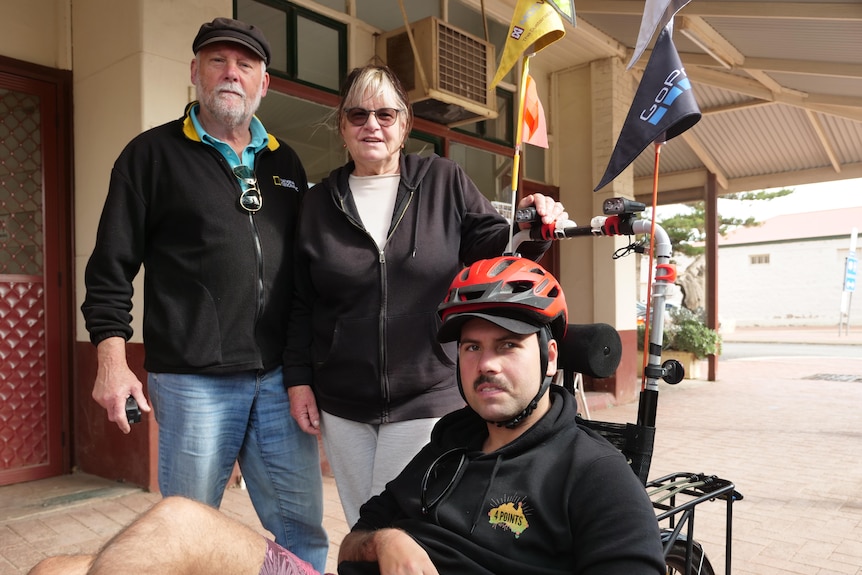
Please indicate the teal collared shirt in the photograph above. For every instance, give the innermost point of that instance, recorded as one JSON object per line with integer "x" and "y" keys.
{"x": 259, "y": 140}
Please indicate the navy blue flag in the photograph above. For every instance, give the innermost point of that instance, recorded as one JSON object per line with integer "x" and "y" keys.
{"x": 664, "y": 107}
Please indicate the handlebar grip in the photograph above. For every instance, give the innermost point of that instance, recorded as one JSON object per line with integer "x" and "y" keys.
{"x": 526, "y": 215}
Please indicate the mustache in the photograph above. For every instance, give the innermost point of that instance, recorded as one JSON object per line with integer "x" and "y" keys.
{"x": 495, "y": 381}
{"x": 235, "y": 87}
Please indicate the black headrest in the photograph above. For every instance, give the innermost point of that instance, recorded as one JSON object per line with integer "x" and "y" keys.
{"x": 593, "y": 349}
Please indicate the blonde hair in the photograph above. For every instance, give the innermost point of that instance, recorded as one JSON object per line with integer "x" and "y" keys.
{"x": 376, "y": 81}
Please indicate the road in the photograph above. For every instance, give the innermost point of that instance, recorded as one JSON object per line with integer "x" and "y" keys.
{"x": 741, "y": 350}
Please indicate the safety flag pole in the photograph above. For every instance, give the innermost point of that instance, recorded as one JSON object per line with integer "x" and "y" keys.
{"x": 519, "y": 136}
{"x": 658, "y": 146}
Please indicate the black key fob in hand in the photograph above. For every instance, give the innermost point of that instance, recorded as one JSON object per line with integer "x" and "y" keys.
{"x": 133, "y": 412}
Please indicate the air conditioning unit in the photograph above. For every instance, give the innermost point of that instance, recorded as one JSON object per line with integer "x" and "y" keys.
{"x": 457, "y": 68}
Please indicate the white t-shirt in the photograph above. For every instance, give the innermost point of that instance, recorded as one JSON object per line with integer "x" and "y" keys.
{"x": 375, "y": 199}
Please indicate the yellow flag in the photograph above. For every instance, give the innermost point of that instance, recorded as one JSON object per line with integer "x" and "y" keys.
{"x": 535, "y": 24}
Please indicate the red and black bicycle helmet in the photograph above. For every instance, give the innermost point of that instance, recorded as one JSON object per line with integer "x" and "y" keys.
{"x": 518, "y": 293}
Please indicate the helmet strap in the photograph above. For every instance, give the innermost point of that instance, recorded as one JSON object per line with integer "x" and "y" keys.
{"x": 544, "y": 335}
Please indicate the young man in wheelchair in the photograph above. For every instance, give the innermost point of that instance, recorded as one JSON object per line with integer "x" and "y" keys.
{"x": 507, "y": 485}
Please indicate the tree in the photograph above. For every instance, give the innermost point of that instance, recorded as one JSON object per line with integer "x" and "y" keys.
{"x": 687, "y": 233}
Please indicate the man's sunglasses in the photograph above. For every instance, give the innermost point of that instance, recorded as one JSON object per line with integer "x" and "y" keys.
{"x": 250, "y": 199}
{"x": 359, "y": 116}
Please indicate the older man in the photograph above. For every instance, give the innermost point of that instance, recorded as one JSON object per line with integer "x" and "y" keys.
{"x": 208, "y": 204}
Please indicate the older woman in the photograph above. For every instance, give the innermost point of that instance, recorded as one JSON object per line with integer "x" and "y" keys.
{"x": 378, "y": 242}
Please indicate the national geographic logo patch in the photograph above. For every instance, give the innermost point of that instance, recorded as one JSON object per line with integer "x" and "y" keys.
{"x": 284, "y": 183}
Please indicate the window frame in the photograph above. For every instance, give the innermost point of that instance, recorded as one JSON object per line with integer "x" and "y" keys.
{"x": 292, "y": 14}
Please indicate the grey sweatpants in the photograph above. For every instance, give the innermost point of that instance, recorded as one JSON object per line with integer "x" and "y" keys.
{"x": 365, "y": 457}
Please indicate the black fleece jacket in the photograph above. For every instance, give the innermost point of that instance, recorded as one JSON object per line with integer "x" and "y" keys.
{"x": 364, "y": 323}
{"x": 557, "y": 500}
{"x": 218, "y": 280}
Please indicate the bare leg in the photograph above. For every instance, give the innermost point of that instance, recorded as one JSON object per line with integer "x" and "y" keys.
{"x": 178, "y": 536}
{"x": 63, "y": 565}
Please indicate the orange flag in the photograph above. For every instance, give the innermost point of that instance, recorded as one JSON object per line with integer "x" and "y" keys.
{"x": 535, "y": 24}
{"x": 535, "y": 128}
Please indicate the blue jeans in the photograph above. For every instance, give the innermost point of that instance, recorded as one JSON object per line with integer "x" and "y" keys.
{"x": 207, "y": 422}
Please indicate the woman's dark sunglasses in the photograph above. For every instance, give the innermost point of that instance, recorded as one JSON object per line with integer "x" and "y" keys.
{"x": 250, "y": 199}
{"x": 359, "y": 116}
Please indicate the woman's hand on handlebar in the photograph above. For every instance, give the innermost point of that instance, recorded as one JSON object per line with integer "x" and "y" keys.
{"x": 548, "y": 209}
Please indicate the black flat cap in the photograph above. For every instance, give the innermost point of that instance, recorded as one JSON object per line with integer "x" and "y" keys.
{"x": 229, "y": 30}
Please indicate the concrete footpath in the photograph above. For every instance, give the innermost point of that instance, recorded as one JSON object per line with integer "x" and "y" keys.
{"x": 786, "y": 431}
{"x": 807, "y": 335}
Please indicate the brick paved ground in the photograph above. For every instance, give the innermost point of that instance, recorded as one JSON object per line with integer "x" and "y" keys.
{"x": 42, "y": 517}
{"x": 791, "y": 444}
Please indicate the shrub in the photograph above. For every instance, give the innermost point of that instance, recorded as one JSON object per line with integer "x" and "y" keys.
{"x": 686, "y": 331}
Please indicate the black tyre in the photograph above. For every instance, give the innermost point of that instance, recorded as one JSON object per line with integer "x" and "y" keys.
{"x": 675, "y": 559}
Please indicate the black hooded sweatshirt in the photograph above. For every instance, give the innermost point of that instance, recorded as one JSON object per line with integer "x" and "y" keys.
{"x": 557, "y": 500}
{"x": 363, "y": 324}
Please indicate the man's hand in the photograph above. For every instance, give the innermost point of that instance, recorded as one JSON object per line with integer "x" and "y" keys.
{"x": 395, "y": 552}
{"x": 548, "y": 209}
{"x": 303, "y": 408}
{"x": 399, "y": 554}
{"x": 115, "y": 382}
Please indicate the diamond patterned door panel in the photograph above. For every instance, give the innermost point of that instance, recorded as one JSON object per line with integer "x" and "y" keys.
{"x": 30, "y": 389}
{"x": 23, "y": 413}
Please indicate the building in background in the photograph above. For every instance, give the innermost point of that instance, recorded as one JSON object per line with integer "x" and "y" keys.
{"x": 789, "y": 271}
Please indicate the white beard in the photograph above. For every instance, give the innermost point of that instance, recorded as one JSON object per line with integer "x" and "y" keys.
{"x": 225, "y": 108}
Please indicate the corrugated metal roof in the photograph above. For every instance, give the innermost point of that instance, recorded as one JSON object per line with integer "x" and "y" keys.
{"x": 809, "y": 225}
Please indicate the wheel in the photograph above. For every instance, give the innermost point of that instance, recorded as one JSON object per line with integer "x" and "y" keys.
{"x": 675, "y": 559}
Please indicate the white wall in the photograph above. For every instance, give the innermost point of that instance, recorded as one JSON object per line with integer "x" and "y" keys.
{"x": 801, "y": 285}
{"x": 37, "y": 31}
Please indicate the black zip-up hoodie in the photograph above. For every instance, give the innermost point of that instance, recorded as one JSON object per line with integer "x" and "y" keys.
{"x": 557, "y": 500}
{"x": 364, "y": 323}
{"x": 218, "y": 280}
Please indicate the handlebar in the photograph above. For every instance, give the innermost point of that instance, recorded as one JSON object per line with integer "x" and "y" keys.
{"x": 619, "y": 220}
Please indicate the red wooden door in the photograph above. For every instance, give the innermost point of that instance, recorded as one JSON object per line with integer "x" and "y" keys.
{"x": 34, "y": 263}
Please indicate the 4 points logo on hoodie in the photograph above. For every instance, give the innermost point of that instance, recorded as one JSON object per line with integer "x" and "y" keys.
{"x": 510, "y": 514}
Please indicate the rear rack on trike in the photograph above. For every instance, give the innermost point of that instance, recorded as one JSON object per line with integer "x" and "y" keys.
{"x": 676, "y": 496}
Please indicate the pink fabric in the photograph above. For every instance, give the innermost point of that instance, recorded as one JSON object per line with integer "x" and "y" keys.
{"x": 280, "y": 561}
